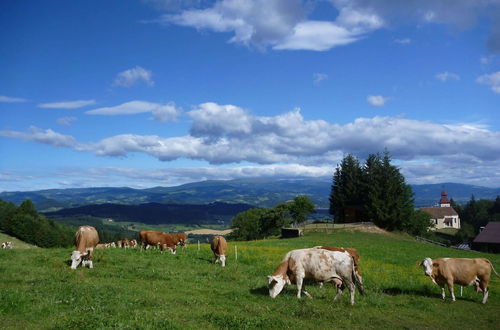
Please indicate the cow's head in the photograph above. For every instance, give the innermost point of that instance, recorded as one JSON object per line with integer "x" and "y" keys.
{"x": 427, "y": 265}
{"x": 223, "y": 260}
{"x": 276, "y": 283}
{"x": 76, "y": 258}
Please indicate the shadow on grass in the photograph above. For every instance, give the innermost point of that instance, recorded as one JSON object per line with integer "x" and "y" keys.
{"x": 424, "y": 292}
{"x": 262, "y": 291}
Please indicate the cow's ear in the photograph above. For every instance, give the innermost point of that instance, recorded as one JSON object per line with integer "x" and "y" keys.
{"x": 419, "y": 263}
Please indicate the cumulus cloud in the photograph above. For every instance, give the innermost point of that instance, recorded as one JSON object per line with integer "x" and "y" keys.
{"x": 8, "y": 99}
{"x": 492, "y": 80}
{"x": 228, "y": 134}
{"x": 160, "y": 112}
{"x": 445, "y": 76}
{"x": 130, "y": 77}
{"x": 377, "y": 100}
{"x": 285, "y": 24}
{"x": 67, "y": 104}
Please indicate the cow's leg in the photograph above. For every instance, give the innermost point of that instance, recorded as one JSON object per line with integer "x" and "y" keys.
{"x": 450, "y": 287}
{"x": 352, "y": 291}
{"x": 339, "y": 293}
{"x": 443, "y": 292}
{"x": 484, "y": 287}
{"x": 300, "y": 287}
{"x": 91, "y": 264}
{"x": 485, "y": 295}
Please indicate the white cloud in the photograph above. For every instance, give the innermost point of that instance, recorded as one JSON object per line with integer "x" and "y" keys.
{"x": 46, "y": 136}
{"x": 319, "y": 77}
{"x": 288, "y": 145}
{"x": 290, "y": 139}
{"x": 377, "y": 100}
{"x": 445, "y": 76}
{"x": 285, "y": 25}
{"x": 130, "y": 77}
{"x": 66, "y": 121}
{"x": 8, "y": 99}
{"x": 161, "y": 112}
{"x": 493, "y": 80}
{"x": 67, "y": 104}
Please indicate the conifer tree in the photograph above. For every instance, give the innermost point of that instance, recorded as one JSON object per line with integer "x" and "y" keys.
{"x": 346, "y": 188}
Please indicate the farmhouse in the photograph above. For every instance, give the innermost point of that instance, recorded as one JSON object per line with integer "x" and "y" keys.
{"x": 444, "y": 216}
{"x": 488, "y": 240}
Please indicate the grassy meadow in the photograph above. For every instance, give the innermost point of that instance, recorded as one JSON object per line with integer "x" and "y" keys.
{"x": 133, "y": 289}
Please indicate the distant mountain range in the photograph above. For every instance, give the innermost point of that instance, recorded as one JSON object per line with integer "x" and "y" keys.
{"x": 256, "y": 192}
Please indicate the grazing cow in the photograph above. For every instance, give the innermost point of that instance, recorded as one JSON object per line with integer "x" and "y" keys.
{"x": 124, "y": 243}
{"x": 219, "y": 247}
{"x": 102, "y": 246}
{"x": 156, "y": 238}
{"x": 355, "y": 257}
{"x": 462, "y": 271}
{"x": 86, "y": 239}
{"x": 319, "y": 265}
{"x": 133, "y": 243}
{"x": 7, "y": 245}
{"x": 182, "y": 239}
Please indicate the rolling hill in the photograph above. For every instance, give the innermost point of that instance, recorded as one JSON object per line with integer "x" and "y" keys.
{"x": 256, "y": 192}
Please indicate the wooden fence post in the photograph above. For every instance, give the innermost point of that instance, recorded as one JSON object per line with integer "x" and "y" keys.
{"x": 236, "y": 252}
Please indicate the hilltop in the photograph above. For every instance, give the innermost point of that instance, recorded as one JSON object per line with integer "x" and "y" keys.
{"x": 255, "y": 192}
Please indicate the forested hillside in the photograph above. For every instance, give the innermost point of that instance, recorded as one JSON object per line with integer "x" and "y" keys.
{"x": 155, "y": 213}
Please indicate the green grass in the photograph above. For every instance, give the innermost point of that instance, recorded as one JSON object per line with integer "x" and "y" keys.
{"x": 130, "y": 289}
{"x": 17, "y": 244}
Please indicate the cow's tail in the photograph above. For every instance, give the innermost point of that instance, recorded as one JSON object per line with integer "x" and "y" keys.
{"x": 358, "y": 281}
{"x": 493, "y": 269}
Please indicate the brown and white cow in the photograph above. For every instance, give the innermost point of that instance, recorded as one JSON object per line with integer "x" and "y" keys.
{"x": 355, "y": 257}
{"x": 219, "y": 248}
{"x": 319, "y": 265}
{"x": 156, "y": 238}
{"x": 181, "y": 238}
{"x": 462, "y": 271}
{"x": 86, "y": 239}
{"x": 133, "y": 243}
{"x": 7, "y": 245}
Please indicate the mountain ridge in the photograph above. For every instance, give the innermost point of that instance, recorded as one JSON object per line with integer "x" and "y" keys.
{"x": 256, "y": 192}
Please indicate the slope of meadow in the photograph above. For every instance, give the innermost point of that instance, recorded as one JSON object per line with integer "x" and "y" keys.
{"x": 130, "y": 289}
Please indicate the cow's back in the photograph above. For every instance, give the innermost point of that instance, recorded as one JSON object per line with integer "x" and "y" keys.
{"x": 319, "y": 264}
{"x": 463, "y": 271}
{"x": 86, "y": 237}
{"x": 218, "y": 245}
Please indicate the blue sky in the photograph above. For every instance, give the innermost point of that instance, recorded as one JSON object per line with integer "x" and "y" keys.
{"x": 163, "y": 92}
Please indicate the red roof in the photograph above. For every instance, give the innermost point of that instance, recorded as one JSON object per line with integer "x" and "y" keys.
{"x": 440, "y": 212}
{"x": 444, "y": 198}
{"x": 490, "y": 234}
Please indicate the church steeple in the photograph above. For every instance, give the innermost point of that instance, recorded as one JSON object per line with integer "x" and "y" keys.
{"x": 444, "y": 201}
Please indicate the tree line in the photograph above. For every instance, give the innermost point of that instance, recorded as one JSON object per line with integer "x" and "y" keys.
{"x": 260, "y": 223}
{"x": 24, "y": 223}
{"x": 375, "y": 191}
{"x": 476, "y": 214}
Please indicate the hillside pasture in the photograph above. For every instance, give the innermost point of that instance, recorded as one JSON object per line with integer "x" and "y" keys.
{"x": 131, "y": 289}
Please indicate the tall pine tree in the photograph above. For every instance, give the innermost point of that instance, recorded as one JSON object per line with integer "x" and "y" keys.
{"x": 346, "y": 189}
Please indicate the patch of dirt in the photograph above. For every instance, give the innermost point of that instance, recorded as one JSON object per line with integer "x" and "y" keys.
{"x": 210, "y": 232}
{"x": 368, "y": 229}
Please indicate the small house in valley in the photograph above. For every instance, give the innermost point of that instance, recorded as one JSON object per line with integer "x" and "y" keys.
{"x": 488, "y": 239}
{"x": 443, "y": 215}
